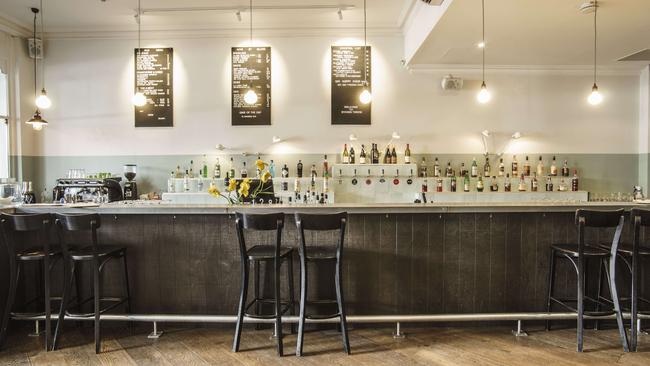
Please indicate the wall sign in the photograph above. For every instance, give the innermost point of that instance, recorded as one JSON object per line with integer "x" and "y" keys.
{"x": 251, "y": 68}
{"x": 347, "y": 83}
{"x": 154, "y": 77}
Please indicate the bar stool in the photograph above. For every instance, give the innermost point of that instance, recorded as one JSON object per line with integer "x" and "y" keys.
{"x": 321, "y": 254}
{"x": 640, "y": 218}
{"x": 96, "y": 254}
{"x": 41, "y": 254}
{"x": 257, "y": 254}
{"x": 578, "y": 254}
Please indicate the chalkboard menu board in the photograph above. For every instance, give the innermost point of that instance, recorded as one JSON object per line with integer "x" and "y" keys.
{"x": 347, "y": 84}
{"x": 154, "y": 77}
{"x": 251, "y": 69}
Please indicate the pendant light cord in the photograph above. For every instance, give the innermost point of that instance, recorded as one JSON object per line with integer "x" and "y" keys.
{"x": 35, "y": 58}
{"x": 365, "y": 45}
{"x": 139, "y": 21}
{"x": 483, "y": 37}
{"x": 250, "y": 6}
{"x": 595, "y": 38}
{"x": 42, "y": 46}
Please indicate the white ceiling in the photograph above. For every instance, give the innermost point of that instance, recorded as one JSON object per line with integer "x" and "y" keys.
{"x": 537, "y": 32}
{"x": 118, "y": 15}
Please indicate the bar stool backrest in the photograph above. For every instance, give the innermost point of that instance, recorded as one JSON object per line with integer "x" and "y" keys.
{"x": 36, "y": 223}
{"x": 599, "y": 219}
{"x": 320, "y": 222}
{"x": 259, "y": 222}
{"x": 77, "y": 223}
{"x": 639, "y": 219}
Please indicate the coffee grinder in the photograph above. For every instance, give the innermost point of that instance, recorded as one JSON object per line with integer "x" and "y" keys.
{"x": 130, "y": 187}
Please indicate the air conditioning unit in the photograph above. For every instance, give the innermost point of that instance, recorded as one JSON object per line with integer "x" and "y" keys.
{"x": 450, "y": 82}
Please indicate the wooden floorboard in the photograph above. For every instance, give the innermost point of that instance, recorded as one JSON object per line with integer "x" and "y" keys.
{"x": 488, "y": 345}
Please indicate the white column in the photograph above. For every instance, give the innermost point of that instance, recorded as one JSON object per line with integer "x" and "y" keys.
{"x": 644, "y": 128}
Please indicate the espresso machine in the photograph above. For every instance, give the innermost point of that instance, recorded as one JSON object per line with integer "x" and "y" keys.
{"x": 130, "y": 186}
{"x": 72, "y": 190}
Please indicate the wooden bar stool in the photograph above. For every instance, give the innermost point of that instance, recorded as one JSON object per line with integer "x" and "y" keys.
{"x": 276, "y": 254}
{"x": 578, "y": 254}
{"x": 42, "y": 254}
{"x": 333, "y": 253}
{"x": 98, "y": 256}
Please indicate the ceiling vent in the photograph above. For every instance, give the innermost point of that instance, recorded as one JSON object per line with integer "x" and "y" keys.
{"x": 643, "y": 55}
{"x": 433, "y": 2}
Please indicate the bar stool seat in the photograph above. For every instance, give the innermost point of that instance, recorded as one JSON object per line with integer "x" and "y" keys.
{"x": 318, "y": 252}
{"x": 267, "y": 252}
{"x": 35, "y": 254}
{"x": 572, "y": 250}
{"x": 626, "y": 249}
{"x": 86, "y": 253}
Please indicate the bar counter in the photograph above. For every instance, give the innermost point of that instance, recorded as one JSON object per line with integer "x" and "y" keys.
{"x": 433, "y": 258}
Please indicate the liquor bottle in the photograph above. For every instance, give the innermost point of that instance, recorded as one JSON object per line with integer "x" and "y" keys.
{"x": 423, "y": 168}
{"x": 494, "y": 186}
{"x": 362, "y": 155}
{"x": 191, "y": 169}
{"x": 502, "y": 168}
{"x": 479, "y": 184}
{"x": 285, "y": 175}
{"x": 439, "y": 185}
{"x": 533, "y": 183}
{"x": 353, "y": 158}
{"x": 374, "y": 154}
{"x": 425, "y": 185}
{"x": 326, "y": 184}
{"x": 574, "y": 181}
{"x": 527, "y": 167}
{"x": 549, "y": 184}
{"x": 522, "y": 183}
{"x": 28, "y": 195}
{"x": 232, "y": 169}
{"x": 565, "y": 169}
{"x": 452, "y": 184}
{"x": 217, "y": 170}
{"x": 178, "y": 172}
{"x": 326, "y": 167}
{"x": 296, "y": 186}
{"x": 346, "y": 155}
{"x": 204, "y": 171}
{"x": 507, "y": 187}
{"x": 407, "y": 155}
{"x": 272, "y": 169}
{"x": 244, "y": 172}
{"x": 387, "y": 156}
{"x": 553, "y": 170}
{"x": 540, "y": 167}
{"x": 486, "y": 168}
{"x": 312, "y": 171}
{"x": 463, "y": 171}
{"x": 449, "y": 171}
{"x": 515, "y": 166}
{"x": 186, "y": 181}
{"x": 299, "y": 169}
{"x": 375, "y": 160}
{"x": 258, "y": 171}
{"x": 393, "y": 156}
{"x": 474, "y": 168}
{"x": 562, "y": 187}
{"x": 436, "y": 167}
{"x": 171, "y": 185}
{"x": 466, "y": 183}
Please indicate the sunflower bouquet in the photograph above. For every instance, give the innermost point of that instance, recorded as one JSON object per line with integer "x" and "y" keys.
{"x": 236, "y": 191}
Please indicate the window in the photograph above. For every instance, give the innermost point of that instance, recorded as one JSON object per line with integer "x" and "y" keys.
{"x": 4, "y": 126}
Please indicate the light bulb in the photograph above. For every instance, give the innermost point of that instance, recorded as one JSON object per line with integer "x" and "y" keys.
{"x": 250, "y": 97}
{"x": 595, "y": 97}
{"x": 43, "y": 101}
{"x": 365, "y": 97}
{"x": 37, "y": 126}
{"x": 139, "y": 99}
{"x": 484, "y": 95}
{"x": 481, "y": 45}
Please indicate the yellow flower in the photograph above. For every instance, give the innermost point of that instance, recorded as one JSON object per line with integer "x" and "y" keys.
{"x": 232, "y": 185}
{"x": 265, "y": 177}
{"x": 243, "y": 189}
{"x": 246, "y": 181}
{"x": 213, "y": 190}
{"x": 260, "y": 164}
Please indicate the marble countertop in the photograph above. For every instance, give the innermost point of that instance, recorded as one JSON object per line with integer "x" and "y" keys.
{"x": 162, "y": 207}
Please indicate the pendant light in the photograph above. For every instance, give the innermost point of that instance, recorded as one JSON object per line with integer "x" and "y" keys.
{"x": 37, "y": 122}
{"x": 43, "y": 101}
{"x": 139, "y": 99}
{"x": 483, "y": 95}
{"x": 365, "y": 97}
{"x": 251, "y": 96}
{"x": 595, "y": 97}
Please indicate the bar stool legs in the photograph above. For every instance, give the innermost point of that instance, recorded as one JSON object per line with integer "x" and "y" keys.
{"x": 278, "y": 306}
{"x": 303, "y": 304}
{"x": 242, "y": 304}
{"x": 551, "y": 285}
{"x": 341, "y": 306}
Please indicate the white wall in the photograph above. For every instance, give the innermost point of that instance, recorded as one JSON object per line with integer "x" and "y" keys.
{"x": 91, "y": 83}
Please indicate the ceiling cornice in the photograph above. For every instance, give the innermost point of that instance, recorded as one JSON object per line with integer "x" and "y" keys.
{"x": 12, "y": 27}
{"x": 631, "y": 69}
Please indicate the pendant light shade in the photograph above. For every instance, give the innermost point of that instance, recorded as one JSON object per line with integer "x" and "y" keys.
{"x": 483, "y": 95}
{"x": 139, "y": 99}
{"x": 365, "y": 97}
{"x": 595, "y": 97}
{"x": 37, "y": 122}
